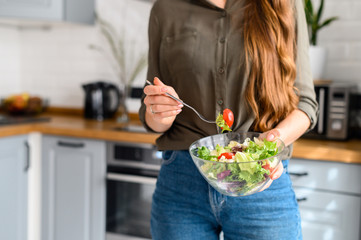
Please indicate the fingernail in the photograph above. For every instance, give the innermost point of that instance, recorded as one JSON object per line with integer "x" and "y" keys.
{"x": 274, "y": 177}
{"x": 178, "y": 111}
{"x": 180, "y": 105}
{"x": 164, "y": 89}
{"x": 271, "y": 136}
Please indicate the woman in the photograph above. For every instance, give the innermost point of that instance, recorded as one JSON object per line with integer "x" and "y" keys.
{"x": 250, "y": 56}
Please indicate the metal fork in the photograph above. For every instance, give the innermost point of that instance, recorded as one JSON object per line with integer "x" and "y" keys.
{"x": 177, "y": 99}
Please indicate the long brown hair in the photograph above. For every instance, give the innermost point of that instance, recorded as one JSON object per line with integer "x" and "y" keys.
{"x": 269, "y": 40}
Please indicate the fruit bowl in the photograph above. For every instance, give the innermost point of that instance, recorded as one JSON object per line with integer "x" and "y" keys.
{"x": 23, "y": 104}
{"x": 244, "y": 175}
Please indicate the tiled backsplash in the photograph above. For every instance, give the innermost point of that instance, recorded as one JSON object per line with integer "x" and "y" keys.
{"x": 10, "y": 69}
{"x": 54, "y": 63}
{"x": 343, "y": 40}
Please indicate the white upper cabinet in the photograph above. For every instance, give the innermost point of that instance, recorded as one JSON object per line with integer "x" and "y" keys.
{"x": 79, "y": 11}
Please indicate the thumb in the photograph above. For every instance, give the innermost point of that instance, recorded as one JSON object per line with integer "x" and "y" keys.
{"x": 158, "y": 82}
{"x": 273, "y": 134}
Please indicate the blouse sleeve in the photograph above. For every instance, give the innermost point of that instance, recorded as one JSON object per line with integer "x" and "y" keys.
{"x": 153, "y": 59}
{"x": 304, "y": 80}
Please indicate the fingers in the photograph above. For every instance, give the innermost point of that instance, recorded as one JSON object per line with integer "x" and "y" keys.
{"x": 159, "y": 89}
{"x": 160, "y": 100}
{"x": 155, "y": 95}
{"x": 164, "y": 114}
{"x": 278, "y": 172}
{"x": 273, "y": 134}
{"x": 159, "y": 108}
{"x": 159, "y": 104}
{"x": 158, "y": 82}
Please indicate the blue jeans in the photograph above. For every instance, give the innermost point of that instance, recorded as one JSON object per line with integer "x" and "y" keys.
{"x": 186, "y": 207}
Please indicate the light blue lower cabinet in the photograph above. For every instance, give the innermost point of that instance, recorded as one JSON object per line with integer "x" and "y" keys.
{"x": 73, "y": 189}
{"x": 329, "y": 216}
{"x": 329, "y": 197}
{"x": 14, "y": 165}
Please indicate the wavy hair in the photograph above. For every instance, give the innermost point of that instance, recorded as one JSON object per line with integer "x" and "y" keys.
{"x": 270, "y": 46}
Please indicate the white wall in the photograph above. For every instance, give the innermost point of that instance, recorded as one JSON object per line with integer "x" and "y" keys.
{"x": 343, "y": 40}
{"x": 55, "y": 63}
{"x": 10, "y": 69}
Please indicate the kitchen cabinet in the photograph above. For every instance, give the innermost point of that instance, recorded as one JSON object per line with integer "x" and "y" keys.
{"x": 73, "y": 188}
{"x": 79, "y": 11}
{"x": 329, "y": 197}
{"x": 14, "y": 165}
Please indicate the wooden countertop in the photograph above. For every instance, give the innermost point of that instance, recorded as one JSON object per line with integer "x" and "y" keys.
{"x": 337, "y": 151}
{"x": 76, "y": 126}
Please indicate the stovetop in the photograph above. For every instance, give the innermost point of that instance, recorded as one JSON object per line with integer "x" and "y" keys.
{"x": 10, "y": 120}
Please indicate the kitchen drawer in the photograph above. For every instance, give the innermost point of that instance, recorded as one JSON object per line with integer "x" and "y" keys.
{"x": 329, "y": 216}
{"x": 338, "y": 177}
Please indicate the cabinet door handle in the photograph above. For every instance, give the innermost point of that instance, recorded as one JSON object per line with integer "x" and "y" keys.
{"x": 27, "y": 156}
{"x": 298, "y": 174}
{"x": 131, "y": 178}
{"x": 70, "y": 145}
{"x": 301, "y": 199}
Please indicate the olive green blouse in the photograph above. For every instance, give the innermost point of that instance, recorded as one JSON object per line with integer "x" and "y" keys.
{"x": 197, "y": 48}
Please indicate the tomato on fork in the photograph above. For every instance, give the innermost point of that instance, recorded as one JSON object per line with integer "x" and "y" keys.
{"x": 228, "y": 117}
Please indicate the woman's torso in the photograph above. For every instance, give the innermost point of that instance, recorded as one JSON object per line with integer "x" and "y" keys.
{"x": 201, "y": 56}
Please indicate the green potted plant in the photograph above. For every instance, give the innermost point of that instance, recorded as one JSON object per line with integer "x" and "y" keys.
{"x": 318, "y": 54}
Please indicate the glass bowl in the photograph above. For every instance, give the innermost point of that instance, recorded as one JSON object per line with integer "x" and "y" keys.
{"x": 236, "y": 178}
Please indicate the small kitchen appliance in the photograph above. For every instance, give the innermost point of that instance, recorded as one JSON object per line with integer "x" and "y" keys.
{"x": 101, "y": 100}
{"x": 335, "y": 106}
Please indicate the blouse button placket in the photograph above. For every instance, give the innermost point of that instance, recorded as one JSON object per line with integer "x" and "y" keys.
{"x": 221, "y": 55}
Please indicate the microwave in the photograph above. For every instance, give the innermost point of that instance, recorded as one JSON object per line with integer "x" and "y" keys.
{"x": 335, "y": 106}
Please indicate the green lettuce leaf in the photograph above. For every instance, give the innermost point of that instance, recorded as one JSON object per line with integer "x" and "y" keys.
{"x": 246, "y": 163}
{"x": 261, "y": 149}
{"x": 204, "y": 153}
{"x": 222, "y": 124}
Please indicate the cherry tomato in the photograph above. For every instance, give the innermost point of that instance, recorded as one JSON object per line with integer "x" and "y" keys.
{"x": 267, "y": 167}
{"x": 227, "y": 155}
{"x": 228, "y": 117}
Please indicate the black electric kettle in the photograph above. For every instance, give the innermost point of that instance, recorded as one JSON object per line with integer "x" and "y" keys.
{"x": 101, "y": 100}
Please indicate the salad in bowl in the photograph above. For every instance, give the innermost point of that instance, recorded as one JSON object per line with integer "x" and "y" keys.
{"x": 237, "y": 164}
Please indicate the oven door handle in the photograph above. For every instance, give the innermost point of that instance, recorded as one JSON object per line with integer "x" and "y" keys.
{"x": 131, "y": 178}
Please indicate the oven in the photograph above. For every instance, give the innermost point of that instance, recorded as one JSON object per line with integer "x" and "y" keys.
{"x": 132, "y": 171}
